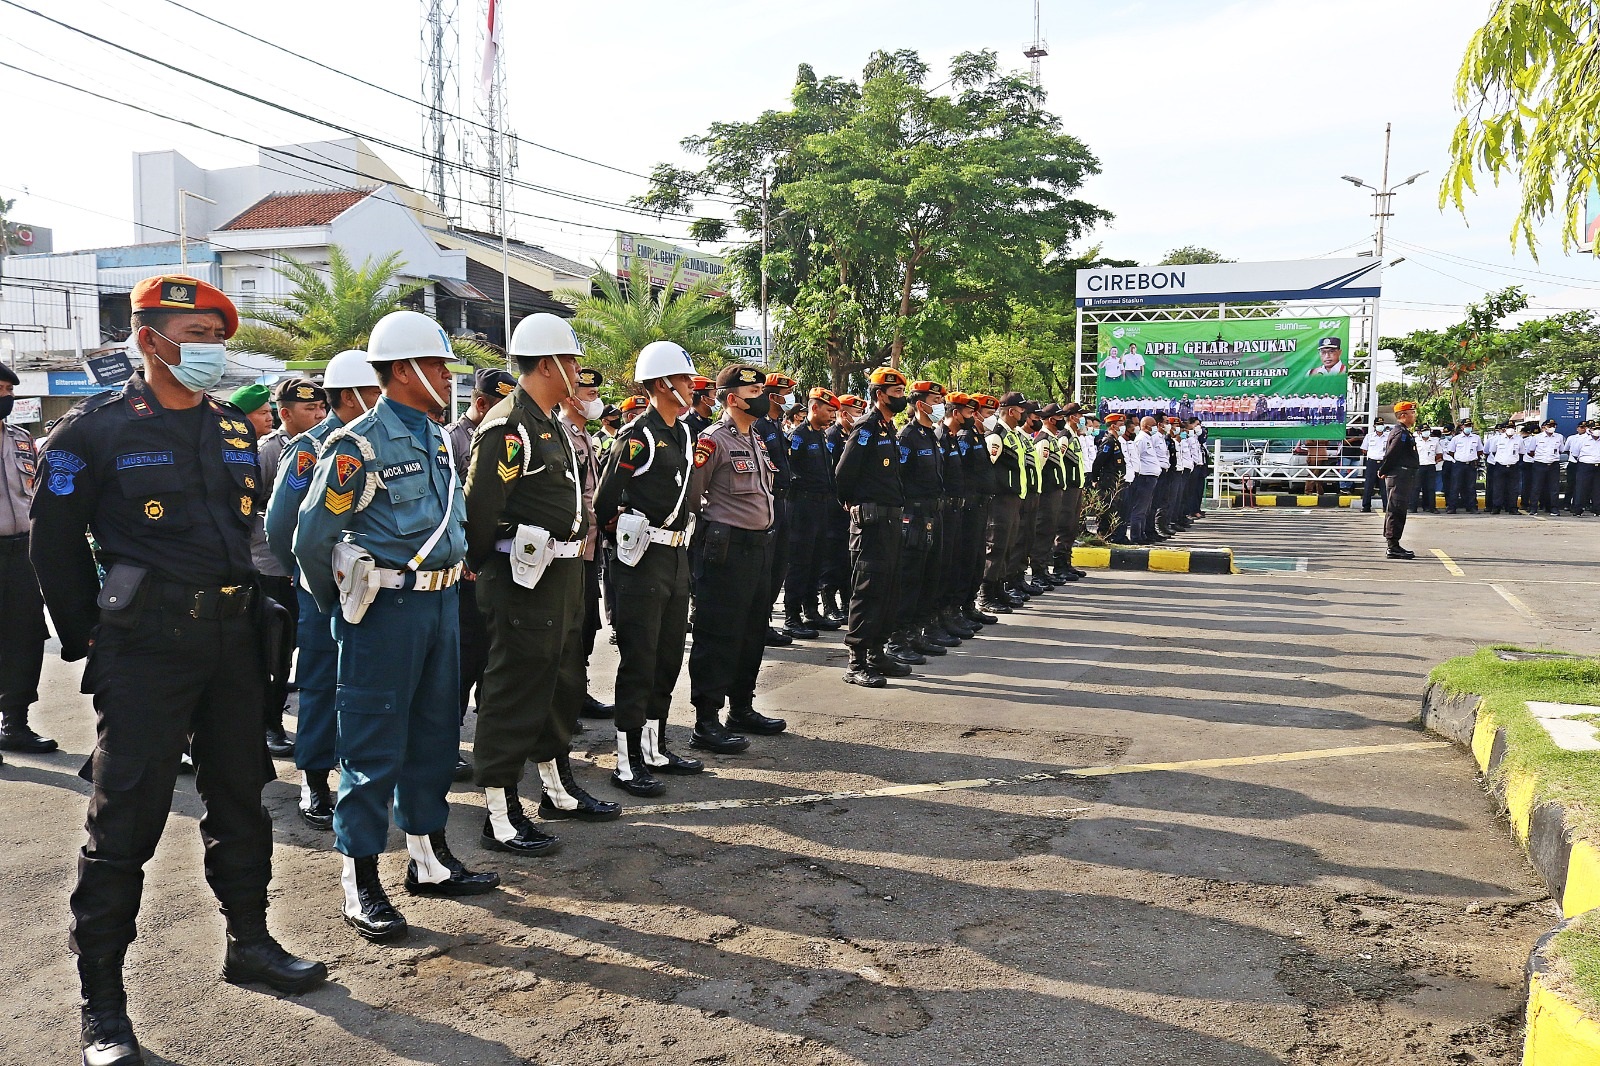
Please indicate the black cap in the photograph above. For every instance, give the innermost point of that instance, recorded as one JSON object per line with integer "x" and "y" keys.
{"x": 1328, "y": 342}
{"x": 590, "y": 378}
{"x": 1013, "y": 399}
{"x": 495, "y": 383}
{"x": 739, "y": 374}
{"x": 298, "y": 390}
{"x": 1052, "y": 410}
{"x": 7, "y": 374}
{"x": 610, "y": 411}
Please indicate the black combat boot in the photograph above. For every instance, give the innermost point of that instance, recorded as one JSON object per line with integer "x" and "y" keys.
{"x": 796, "y": 627}
{"x": 861, "y": 672}
{"x": 316, "y": 800}
{"x": 254, "y": 957}
{"x": 16, "y": 736}
{"x": 564, "y": 799}
{"x": 980, "y": 617}
{"x": 108, "y": 1038}
{"x": 508, "y": 827}
{"x": 632, "y": 774}
{"x": 662, "y": 759}
{"x": 366, "y": 905}
{"x": 819, "y": 618}
{"x": 711, "y": 735}
{"x": 918, "y": 641}
{"x": 881, "y": 662}
{"x": 433, "y": 871}
{"x": 777, "y": 638}
{"x": 900, "y": 650}
{"x": 279, "y": 746}
{"x": 936, "y": 633}
{"x": 952, "y": 622}
{"x": 834, "y": 603}
{"x": 593, "y": 708}
{"x": 744, "y": 717}
{"x": 993, "y": 599}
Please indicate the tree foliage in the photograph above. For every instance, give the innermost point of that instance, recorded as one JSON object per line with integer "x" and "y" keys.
{"x": 619, "y": 321}
{"x": 1192, "y": 255}
{"x": 1529, "y": 92}
{"x": 324, "y": 314}
{"x": 902, "y": 221}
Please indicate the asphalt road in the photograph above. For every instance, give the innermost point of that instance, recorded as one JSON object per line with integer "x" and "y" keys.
{"x": 1314, "y": 881}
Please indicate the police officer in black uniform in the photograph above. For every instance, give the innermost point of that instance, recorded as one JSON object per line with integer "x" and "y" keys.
{"x": 165, "y": 479}
{"x": 698, "y": 417}
{"x": 834, "y": 572}
{"x": 868, "y": 481}
{"x": 922, "y": 482}
{"x": 978, "y": 477}
{"x": 1398, "y": 468}
{"x": 812, "y": 504}
{"x": 1106, "y": 471}
{"x": 951, "y": 571}
{"x": 770, "y": 429}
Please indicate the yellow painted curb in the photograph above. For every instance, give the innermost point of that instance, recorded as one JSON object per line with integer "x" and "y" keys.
{"x": 1346, "y": 501}
{"x": 1482, "y": 741}
{"x": 1091, "y": 557}
{"x": 1266, "y": 501}
{"x": 1305, "y": 501}
{"x": 1583, "y": 880}
{"x": 1519, "y": 803}
{"x": 1169, "y": 560}
{"x": 1558, "y": 1032}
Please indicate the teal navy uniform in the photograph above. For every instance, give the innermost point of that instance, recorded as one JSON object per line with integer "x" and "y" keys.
{"x": 384, "y": 482}
{"x": 316, "y": 670}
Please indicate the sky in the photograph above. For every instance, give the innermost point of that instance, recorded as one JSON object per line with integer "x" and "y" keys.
{"x": 1226, "y": 125}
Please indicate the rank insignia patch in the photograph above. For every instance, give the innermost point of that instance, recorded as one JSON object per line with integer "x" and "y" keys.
{"x": 635, "y": 449}
{"x": 245, "y": 504}
{"x": 249, "y": 482}
{"x": 236, "y": 442}
{"x": 338, "y": 502}
{"x": 703, "y": 452}
{"x": 345, "y": 467}
{"x": 153, "y": 510}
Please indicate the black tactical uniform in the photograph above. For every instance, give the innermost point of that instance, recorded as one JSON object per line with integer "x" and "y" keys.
{"x": 1399, "y": 468}
{"x": 833, "y": 568}
{"x": 176, "y": 646}
{"x": 812, "y": 504}
{"x": 950, "y": 573}
{"x": 648, "y": 472}
{"x": 978, "y": 479}
{"x": 524, "y": 473}
{"x": 1107, "y": 472}
{"x": 922, "y": 483}
{"x": 868, "y": 481}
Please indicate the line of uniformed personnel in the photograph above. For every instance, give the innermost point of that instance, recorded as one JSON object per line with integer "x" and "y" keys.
{"x": 167, "y": 542}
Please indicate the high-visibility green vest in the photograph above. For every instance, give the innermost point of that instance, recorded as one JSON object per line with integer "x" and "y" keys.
{"x": 1020, "y": 446}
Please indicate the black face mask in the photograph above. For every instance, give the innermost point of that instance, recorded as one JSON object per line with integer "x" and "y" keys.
{"x": 897, "y": 403}
{"x": 6, "y": 404}
{"x": 758, "y": 406}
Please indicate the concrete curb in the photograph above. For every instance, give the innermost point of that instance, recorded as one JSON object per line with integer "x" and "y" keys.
{"x": 1326, "y": 499}
{"x": 1163, "y": 560}
{"x": 1559, "y": 1033}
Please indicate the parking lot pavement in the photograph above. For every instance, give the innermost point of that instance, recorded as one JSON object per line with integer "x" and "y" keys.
{"x": 1157, "y": 818}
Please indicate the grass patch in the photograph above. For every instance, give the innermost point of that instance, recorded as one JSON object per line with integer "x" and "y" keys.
{"x": 1571, "y": 778}
{"x": 1575, "y": 955}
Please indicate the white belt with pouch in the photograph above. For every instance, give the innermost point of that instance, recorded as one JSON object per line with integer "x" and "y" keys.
{"x": 559, "y": 549}
{"x": 671, "y": 539}
{"x": 419, "y": 580}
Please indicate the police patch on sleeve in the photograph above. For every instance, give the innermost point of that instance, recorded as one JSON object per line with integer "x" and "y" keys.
{"x": 344, "y": 468}
{"x": 64, "y": 468}
{"x": 509, "y": 467}
{"x": 299, "y": 473}
{"x": 865, "y": 437}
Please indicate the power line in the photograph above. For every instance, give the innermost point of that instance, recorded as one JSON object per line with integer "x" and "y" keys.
{"x": 283, "y": 151}
{"x": 329, "y": 124}
{"x": 403, "y": 97}
{"x": 1516, "y": 274}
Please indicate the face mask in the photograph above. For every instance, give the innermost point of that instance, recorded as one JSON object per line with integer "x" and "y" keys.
{"x": 590, "y": 409}
{"x": 937, "y": 414}
{"x": 1184, "y": 435}
{"x": 897, "y": 403}
{"x": 200, "y": 366}
{"x": 990, "y": 422}
{"x": 1549, "y": 432}
{"x": 6, "y": 404}
{"x": 758, "y": 406}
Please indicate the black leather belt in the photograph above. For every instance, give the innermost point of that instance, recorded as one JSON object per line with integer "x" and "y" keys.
{"x": 203, "y": 601}
{"x": 13, "y": 544}
{"x": 748, "y": 536}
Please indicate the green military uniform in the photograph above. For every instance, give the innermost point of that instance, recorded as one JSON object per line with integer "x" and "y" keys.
{"x": 524, "y": 474}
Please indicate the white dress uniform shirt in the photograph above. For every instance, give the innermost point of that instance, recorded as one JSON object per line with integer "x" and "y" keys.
{"x": 1547, "y": 447}
{"x": 1505, "y": 449}
{"x": 1150, "y": 451}
{"x": 1585, "y": 450}
{"x": 1113, "y": 366}
{"x": 1427, "y": 449}
{"x": 1130, "y": 457}
{"x": 1375, "y": 443}
{"x": 1133, "y": 362}
{"x": 1468, "y": 447}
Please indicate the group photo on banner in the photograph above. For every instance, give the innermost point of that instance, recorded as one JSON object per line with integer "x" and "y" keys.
{"x": 1243, "y": 378}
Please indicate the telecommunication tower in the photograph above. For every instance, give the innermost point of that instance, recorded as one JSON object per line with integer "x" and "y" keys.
{"x": 497, "y": 145}
{"x": 441, "y": 97}
{"x": 1039, "y": 48}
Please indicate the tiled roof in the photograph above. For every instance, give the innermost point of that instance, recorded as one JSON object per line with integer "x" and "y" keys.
{"x": 533, "y": 252}
{"x": 286, "y": 210}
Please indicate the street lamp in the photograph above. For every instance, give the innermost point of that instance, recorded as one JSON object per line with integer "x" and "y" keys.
{"x": 1382, "y": 210}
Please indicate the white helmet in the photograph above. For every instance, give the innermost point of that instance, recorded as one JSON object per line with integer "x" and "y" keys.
{"x": 544, "y": 334}
{"x": 407, "y": 335}
{"x": 662, "y": 359}
{"x": 350, "y": 370}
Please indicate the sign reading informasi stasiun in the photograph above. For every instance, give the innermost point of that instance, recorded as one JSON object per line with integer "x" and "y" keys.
{"x": 1249, "y": 378}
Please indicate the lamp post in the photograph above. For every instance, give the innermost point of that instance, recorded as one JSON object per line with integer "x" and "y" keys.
{"x": 1382, "y": 210}
{"x": 183, "y": 222}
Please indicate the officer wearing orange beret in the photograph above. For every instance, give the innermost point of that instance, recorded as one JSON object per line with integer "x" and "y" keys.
{"x": 165, "y": 478}
{"x": 1398, "y": 468}
{"x": 833, "y": 571}
{"x": 702, "y": 393}
{"x": 812, "y": 503}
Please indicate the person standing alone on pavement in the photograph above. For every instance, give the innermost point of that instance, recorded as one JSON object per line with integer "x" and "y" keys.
{"x": 22, "y": 628}
{"x": 1399, "y": 471}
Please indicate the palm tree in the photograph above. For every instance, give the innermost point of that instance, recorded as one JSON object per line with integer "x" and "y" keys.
{"x": 324, "y": 314}
{"x": 614, "y": 324}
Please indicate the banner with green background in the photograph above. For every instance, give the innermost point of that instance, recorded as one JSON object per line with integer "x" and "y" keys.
{"x": 1244, "y": 378}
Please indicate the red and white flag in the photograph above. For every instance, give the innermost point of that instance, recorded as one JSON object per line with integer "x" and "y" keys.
{"x": 491, "y": 50}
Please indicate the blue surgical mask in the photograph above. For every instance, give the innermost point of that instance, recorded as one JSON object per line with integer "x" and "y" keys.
{"x": 200, "y": 366}
{"x": 937, "y": 412}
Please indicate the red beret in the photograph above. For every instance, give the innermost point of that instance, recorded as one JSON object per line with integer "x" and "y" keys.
{"x": 174, "y": 292}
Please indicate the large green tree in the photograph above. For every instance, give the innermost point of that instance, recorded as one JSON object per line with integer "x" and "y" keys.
{"x": 901, "y": 221}
{"x": 1529, "y": 93}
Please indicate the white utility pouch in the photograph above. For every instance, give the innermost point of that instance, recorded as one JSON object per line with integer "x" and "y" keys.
{"x": 355, "y": 573}
{"x": 530, "y": 555}
{"x": 633, "y": 537}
